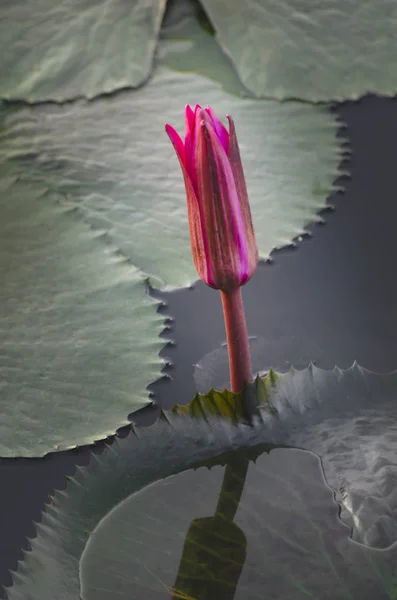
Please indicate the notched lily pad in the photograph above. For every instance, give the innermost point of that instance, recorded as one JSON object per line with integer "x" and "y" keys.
{"x": 235, "y": 407}
{"x": 114, "y": 161}
{"x": 79, "y": 332}
{"x": 289, "y": 539}
{"x": 315, "y": 51}
{"x": 170, "y": 540}
{"x": 71, "y": 48}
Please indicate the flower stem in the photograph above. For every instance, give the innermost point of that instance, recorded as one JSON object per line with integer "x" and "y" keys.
{"x": 237, "y": 339}
{"x": 240, "y": 373}
{"x": 232, "y": 488}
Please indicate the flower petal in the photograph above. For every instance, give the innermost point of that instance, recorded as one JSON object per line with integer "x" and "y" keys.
{"x": 239, "y": 180}
{"x": 223, "y": 228}
{"x": 193, "y": 211}
{"x": 219, "y": 127}
{"x": 195, "y": 228}
{"x": 177, "y": 143}
{"x": 189, "y": 119}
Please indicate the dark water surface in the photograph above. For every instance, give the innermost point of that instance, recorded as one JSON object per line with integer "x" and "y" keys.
{"x": 331, "y": 300}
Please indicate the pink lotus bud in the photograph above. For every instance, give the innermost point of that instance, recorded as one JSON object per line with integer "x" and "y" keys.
{"x": 221, "y": 232}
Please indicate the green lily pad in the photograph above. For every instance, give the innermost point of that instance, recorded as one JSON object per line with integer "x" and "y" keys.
{"x": 285, "y": 541}
{"x": 113, "y": 159}
{"x": 295, "y": 544}
{"x": 316, "y": 51}
{"x": 79, "y": 332}
{"x": 62, "y": 50}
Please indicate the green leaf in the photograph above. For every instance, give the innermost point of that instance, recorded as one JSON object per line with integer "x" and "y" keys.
{"x": 233, "y": 406}
{"x": 316, "y": 51}
{"x": 286, "y": 540}
{"x": 62, "y": 50}
{"x": 79, "y": 332}
{"x": 114, "y": 160}
{"x": 224, "y": 404}
{"x": 296, "y": 545}
{"x": 349, "y": 418}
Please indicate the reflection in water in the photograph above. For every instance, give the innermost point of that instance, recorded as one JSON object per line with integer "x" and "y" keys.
{"x": 215, "y": 547}
{"x": 213, "y": 557}
{"x": 209, "y": 533}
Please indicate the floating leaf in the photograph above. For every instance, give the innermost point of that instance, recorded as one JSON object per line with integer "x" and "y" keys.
{"x": 224, "y": 404}
{"x": 79, "y": 332}
{"x": 350, "y": 419}
{"x": 114, "y": 160}
{"x": 295, "y": 542}
{"x": 286, "y": 540}
{"x": 328, "y": 50}
{"x": 235, "y": 407}
{"x": 62, "y": 50}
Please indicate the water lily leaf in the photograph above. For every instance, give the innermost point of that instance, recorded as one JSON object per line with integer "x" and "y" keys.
{"x": 62, "y": 50}
{"x": 286, "y": 540}
{"x": 114, "y": 160}
{"x": 226, "y": 404}
{"x": 235, "y": 407}
{"x": 286, "y": 536}
{"x": 350, "y": 419}
{"x": 79, "y": 332}
{"x": 328, "y": 50}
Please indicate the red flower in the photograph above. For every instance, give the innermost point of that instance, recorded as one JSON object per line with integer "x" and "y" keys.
{"x": 221, "y": 232}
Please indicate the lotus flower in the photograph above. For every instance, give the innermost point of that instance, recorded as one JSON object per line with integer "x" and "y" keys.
{"x": 221, "y": 232}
